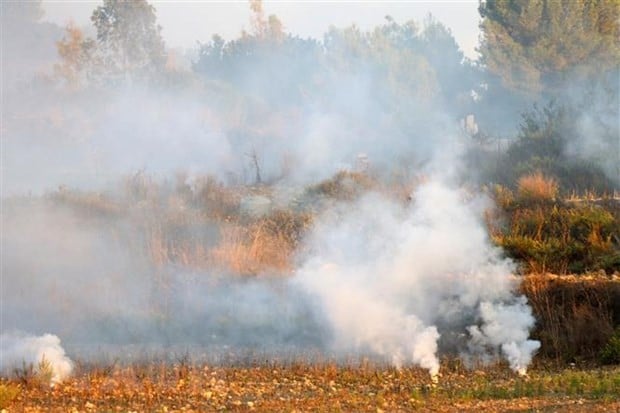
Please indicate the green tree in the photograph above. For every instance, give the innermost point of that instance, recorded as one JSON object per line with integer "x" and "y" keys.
{"x": 537, "y": 46}
{"x": 266, "y": 63}
{"x": 543, "y": 145}
{"x": 390, "y": 56}
{"x": 457, "y": 76}
{"x": 129, "y": 42}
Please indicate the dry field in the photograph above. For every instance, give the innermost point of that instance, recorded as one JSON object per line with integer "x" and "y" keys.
{"x": 323, "y": 388}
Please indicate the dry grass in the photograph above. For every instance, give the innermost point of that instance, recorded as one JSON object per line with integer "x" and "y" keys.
{"x": 8, "y": 393}
{"x": 536, "y": 187}
{"x": 575, "y": 315}
{"x": 161, "y": 387}
{"x": 267, "y": 244}
{"x": 345, "y": 185}
{"x": 218, "y": 200}
{"x": 244, "y": 250}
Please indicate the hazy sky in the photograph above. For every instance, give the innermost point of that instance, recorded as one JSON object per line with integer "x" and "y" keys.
{"x": 186, "y": 21}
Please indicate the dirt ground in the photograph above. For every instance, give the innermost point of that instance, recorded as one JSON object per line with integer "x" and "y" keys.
{"x": 328, "y": 388}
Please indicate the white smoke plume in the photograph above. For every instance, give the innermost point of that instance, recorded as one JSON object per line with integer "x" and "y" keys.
{"x": 42, "y": 352}
{"x": 506, "y": 326}
{"x": 393, "y": 279}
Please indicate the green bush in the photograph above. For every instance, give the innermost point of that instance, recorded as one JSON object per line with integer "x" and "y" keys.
{"x": 610, "y": 354}
{"x": 561, "y": 238}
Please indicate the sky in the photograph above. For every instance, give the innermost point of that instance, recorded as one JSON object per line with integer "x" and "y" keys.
{"x": 184, "y": 22}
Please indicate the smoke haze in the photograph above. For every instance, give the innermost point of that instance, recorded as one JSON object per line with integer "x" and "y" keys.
{"x": 403, "y": 278}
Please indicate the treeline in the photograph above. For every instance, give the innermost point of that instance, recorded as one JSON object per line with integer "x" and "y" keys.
{"x": 546, "y": 80}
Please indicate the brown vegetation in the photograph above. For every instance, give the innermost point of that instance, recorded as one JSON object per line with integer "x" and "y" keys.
{"x": 536, "y": 187}
{"x": 576, "y": 315}
{"x": 267, "y": 244}
{"x": 163, "y": 387}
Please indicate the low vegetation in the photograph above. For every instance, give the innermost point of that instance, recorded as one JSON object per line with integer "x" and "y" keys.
{"x": 546, "y": 234}
{"x": 301, "y": 386}
{"x": 576, "y": 317}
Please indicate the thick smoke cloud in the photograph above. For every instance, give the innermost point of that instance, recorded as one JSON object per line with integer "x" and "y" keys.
{"x": 44, "y": 353}
{"x": 395, "y": 280}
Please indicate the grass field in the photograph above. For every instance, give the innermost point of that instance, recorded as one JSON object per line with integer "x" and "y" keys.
{"x": 327, "y": 387}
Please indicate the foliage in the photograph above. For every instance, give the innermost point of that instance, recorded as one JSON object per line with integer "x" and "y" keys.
{"x": 27, "y": 43}
{"x": 610, "y": 354}
{"x": 128, "y": 46}
{"x": 389, "y": 55}
{"x": 45, "y": 371}
{"x": 544, "y": 144}
{"x": 128, "y": 39}
{"x": 38, "y": 374}
{"x": 344, "y": 185}
{"x": 76, "y": 54}
{"x": 257, "y": 246}
{"x": 400, "y": 64}
{"x": 270, "y": 53}
{"x": 561, "y": 238}
{"x": 536, "y": 45}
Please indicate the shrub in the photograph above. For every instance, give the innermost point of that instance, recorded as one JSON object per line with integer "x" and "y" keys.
{"x": 561, "y": 238}
{"x": 610, "y": 354}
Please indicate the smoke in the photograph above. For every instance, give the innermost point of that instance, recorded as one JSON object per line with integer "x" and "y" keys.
{"x": 94, "y": 285}
{"x": 393, "y": 280}
{"x": 506, "y": 326}
{"x": 44, "y": 353}
{"x": 404, "y": 283}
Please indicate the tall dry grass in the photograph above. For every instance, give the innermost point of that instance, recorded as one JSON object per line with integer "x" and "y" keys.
{"x": 575, "y": 315}
{"x": 537, "y": 187}
{"x": 267, "y": 244}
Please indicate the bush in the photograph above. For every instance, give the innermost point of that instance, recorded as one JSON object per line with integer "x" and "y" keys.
{"x": 610, "y": 354}
{"x": 561, "y": 238}
{"x": 544, "y": 136}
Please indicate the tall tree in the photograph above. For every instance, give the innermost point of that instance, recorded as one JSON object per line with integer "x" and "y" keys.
{"x": 129, "y": 41}
{"x": 266, "y": 62}
{"x": 457, "y": 76}
{"x": 390, "y": 56}
{"x": 76, "y": 54}
{"x": 536, "y": 46}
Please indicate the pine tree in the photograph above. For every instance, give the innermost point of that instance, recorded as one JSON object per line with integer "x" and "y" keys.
{"x": 540, "y": 46}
